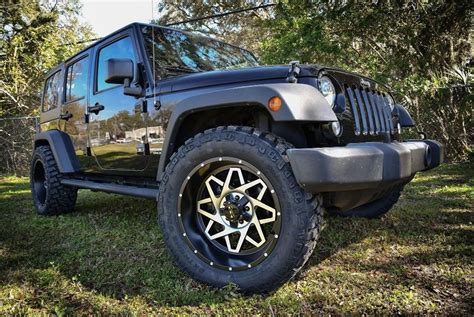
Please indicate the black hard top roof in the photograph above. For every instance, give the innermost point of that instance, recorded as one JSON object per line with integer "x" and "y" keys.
{"x": 131, "y": 25}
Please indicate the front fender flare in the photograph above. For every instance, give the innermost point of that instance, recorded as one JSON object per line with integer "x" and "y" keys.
{"x": 300, "y": 103}
{"x": 404, "y": 116}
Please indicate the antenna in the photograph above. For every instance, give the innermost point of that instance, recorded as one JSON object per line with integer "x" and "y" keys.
{"x": 153, "y": 53}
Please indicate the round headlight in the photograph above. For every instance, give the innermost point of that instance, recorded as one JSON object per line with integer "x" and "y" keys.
{"x": 326, "y": 87}
{"x": 390, "y": 101}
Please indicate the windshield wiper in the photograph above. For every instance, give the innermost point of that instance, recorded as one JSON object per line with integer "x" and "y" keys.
{"x": 180, "y": 69}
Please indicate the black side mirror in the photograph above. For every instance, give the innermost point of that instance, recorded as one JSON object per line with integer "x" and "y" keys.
{"x": 122, "y": 71}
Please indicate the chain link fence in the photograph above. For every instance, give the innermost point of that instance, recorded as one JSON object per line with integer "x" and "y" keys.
{"x": 16, "y": 144}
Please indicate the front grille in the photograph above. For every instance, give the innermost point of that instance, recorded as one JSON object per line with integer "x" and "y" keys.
{"x": 370, "y": 111}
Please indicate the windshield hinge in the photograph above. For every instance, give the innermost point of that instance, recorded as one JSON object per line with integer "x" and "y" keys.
{"x": 293, "y": 72}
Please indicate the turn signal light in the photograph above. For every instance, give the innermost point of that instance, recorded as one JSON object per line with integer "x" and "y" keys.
{"x": 275, "y": 103}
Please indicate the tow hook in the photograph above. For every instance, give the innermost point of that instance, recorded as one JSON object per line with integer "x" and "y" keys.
{"x": 293, "y": 72}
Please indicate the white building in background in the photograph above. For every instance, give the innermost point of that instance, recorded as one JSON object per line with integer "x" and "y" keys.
{"x": 139, "y": 134}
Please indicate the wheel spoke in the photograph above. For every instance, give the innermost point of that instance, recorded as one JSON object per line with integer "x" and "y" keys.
{"x": 254, "y": 183}
{"x": 257, "y": 226}
{"x": 226, "y": 186}
{"x": 209, "y": 226}
{"x": 214, "y": 217}
{"x": 243, "y": 235}
{"x": 222, "y": 233}
{"x": 256, "y": 203}
{"x": 212, "y": 195}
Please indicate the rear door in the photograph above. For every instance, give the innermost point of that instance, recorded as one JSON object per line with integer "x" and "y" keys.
{"x": 116, "y": 133}
{"x": 73, "y": 110}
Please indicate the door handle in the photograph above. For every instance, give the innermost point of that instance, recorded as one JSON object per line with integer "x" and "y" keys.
{"x": 65, "y": 116}
{"x": 95, "y": 108}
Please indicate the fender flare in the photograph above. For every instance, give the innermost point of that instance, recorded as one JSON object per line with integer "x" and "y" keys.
{"x": 300, "y": 102}
{"x": 404, "y": 116}
{"x": 62, "y": 148}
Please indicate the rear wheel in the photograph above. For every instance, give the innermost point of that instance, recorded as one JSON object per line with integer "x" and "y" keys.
{"x": 50, "y": 197}
{"x": 231, "y": 211}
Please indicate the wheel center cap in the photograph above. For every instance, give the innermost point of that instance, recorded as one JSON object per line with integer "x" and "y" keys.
{"x": 236, "y": 210}
{"x": 231, "y": 212}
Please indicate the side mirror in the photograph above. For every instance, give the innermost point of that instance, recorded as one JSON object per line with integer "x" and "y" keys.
{"x": 118, "y": 70}
{"x": 122, "y": 71}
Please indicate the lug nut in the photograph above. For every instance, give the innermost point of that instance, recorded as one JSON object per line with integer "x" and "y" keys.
{"x": 247, "y": 208}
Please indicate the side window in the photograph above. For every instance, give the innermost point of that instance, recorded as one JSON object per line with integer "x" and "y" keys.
{"x": 121, "y": 49}
{"x": 51, "y": 92}
{"x": 76, "y": 79}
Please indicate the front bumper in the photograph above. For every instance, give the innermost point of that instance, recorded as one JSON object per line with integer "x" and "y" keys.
{"x": 359, "y": 166}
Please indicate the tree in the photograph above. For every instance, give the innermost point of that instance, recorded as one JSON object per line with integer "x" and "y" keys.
{"x": 35, "y": 35}
{"x": 243, "y": 29}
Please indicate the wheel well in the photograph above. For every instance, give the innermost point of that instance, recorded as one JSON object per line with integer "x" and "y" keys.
{"x": 40, "y": 143}
{"x": 297, "y": 133}
{"x": 201, "y": 121}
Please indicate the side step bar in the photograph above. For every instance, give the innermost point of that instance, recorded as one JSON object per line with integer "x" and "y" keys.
{"x": 150, "y": 193}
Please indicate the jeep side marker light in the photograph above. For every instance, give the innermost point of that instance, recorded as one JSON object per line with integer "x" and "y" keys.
{"x": 274, "y": 104}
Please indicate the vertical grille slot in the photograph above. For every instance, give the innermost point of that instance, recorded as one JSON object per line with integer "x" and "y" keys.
{"x": 364, "y": 114}
{"x": 370, "y": 111}
{"x": 379, "y": 113}
{"x": 373, "y": 111}
{"x": 355, "y": 112}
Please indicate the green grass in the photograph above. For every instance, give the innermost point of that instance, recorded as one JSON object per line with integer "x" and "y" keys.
{"x": 108, "y": 257}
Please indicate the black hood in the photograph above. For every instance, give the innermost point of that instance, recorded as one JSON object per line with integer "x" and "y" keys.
{"x": 275, "y": 73}
{"x": 226, "y": 77}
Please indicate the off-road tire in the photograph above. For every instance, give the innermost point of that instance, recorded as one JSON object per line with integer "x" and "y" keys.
{"x": 52, "y": 198}
{"x": 375, "y": 209}
{"x": 301, "y": 212}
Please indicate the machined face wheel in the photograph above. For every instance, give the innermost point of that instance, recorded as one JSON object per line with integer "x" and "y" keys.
{"x": 229, "y": 214}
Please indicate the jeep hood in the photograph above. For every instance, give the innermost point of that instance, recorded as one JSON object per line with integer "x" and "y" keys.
{"x": 249, "y": 75}
{"x": 254, "y": 75}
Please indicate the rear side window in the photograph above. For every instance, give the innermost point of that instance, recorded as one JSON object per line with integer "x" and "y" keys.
{"x": 51, "y": 92}
{"x": 120, "y": 49}
{"x": 76, "y": 79}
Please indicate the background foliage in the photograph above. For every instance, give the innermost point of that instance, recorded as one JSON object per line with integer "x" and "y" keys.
{"x": 35, "y": 35}
{"x": 422, "y": 49}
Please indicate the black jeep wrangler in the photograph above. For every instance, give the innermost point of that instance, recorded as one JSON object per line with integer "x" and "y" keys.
{"x": 241, "y": 158}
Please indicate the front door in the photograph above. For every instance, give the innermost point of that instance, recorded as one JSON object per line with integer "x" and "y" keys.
{"x": 116, "y": 133}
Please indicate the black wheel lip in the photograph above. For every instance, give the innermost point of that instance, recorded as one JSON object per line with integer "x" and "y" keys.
{"x": 270, "y": 244}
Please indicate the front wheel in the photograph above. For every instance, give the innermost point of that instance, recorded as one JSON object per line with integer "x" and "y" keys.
{"x": 231, "y": 210}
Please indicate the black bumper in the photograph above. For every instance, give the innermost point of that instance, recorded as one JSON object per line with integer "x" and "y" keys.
{"x": 362, "y": 165}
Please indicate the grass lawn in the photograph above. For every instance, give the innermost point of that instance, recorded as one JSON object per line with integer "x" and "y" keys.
{"x": 108, "y": 257}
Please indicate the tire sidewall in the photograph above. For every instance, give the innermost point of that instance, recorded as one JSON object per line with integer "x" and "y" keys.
{"x": 39, "y": 156}
{"x": 265, "y": 158}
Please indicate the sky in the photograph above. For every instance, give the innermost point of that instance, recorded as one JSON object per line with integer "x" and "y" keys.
{"x": 106, "y": 16}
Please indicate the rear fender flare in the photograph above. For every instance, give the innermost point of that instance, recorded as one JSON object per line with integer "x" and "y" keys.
{"x": 62, "y": 148}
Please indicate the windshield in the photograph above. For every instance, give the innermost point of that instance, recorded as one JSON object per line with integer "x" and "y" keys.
{"x": 176, "y": 53}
